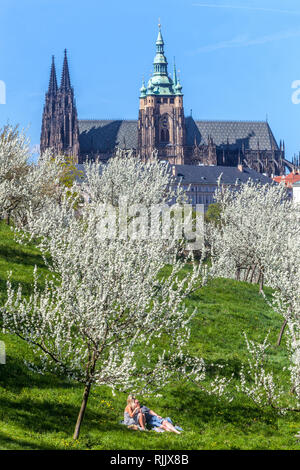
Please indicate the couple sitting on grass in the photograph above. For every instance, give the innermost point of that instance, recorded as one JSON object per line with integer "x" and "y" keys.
{"x": 137, "y": 417}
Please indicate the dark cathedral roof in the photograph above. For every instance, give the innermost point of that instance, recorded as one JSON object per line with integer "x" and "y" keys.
{"x": 103, "y": 135}
{"x": 209, "y": 174}
{"x": 234, "y": 133}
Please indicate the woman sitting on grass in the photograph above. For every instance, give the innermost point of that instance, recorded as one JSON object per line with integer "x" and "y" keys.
{"x": 154, "y": 420}
{"x": 133, "y": 416}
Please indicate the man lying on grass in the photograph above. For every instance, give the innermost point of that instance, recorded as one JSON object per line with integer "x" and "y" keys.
{"x": 137, "y": 416}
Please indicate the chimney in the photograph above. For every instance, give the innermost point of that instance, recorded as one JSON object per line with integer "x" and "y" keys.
{"x": 240, "y": 167}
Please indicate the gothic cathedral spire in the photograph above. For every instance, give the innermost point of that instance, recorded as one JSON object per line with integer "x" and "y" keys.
{"x": 48, "y": 133}
{"x": 65, "y": 77}
{"x": 52, "y": 89}
{"x": 60, "y": 124}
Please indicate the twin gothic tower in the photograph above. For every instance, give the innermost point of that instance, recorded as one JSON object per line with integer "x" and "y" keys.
{"x": 60, "y": 123}
{"x": 161, "y": 123}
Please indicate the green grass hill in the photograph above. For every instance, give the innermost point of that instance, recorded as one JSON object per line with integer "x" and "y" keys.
{"x": 39, "y": 411}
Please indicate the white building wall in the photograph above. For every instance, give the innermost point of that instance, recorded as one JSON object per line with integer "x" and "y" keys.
{"x": 296, "y": 193}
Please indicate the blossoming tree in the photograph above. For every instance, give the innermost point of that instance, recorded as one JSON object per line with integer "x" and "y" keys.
{"x": 256, "y": 221}
{"x": 283, "y": 274}
{"x": 259, "y": 231}
{"x": 112, "y": 314}
{"x": 24, "y": 183}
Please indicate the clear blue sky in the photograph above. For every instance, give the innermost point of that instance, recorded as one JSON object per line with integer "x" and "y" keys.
{"x": 237, "y": 58}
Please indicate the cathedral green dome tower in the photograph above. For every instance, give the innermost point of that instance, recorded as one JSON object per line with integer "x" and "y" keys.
{"x": 161, "y": 124}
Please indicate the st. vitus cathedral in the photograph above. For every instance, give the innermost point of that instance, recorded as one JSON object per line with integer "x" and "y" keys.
{"x": 161, "y": 126}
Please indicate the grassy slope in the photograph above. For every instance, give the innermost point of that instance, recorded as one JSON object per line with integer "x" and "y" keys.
{"x": 39, "y": 411}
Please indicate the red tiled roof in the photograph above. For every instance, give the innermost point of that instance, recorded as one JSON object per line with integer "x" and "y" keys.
{"x": 289, "y": 179}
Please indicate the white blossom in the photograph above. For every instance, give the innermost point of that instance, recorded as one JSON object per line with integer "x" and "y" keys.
{"x": 25, "y": 184}
{"x": 110, "y": 302}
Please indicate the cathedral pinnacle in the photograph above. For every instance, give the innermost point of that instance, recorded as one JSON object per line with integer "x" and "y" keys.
{"x": 174, "y": 74}
{"x": 143, "y": 89}
{"x": 159, "y": 40}
{"x": 65, "y": 78}
{"x": 160, "y": 83}
{"x": 52, "y": 89}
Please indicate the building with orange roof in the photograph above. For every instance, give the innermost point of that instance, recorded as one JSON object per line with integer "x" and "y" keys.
{"x": 289, "y": 179}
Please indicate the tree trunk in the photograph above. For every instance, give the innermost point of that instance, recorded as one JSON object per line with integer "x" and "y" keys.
{"x": 82, "y": 410}
{"x": 281, "y": 332}
{"x": 261, "y": 282}
{"x": 252, "y": 274}
{"x": 247, "y": 274}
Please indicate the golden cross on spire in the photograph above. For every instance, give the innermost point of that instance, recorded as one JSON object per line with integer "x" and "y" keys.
{"x": 159, "y": 25}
